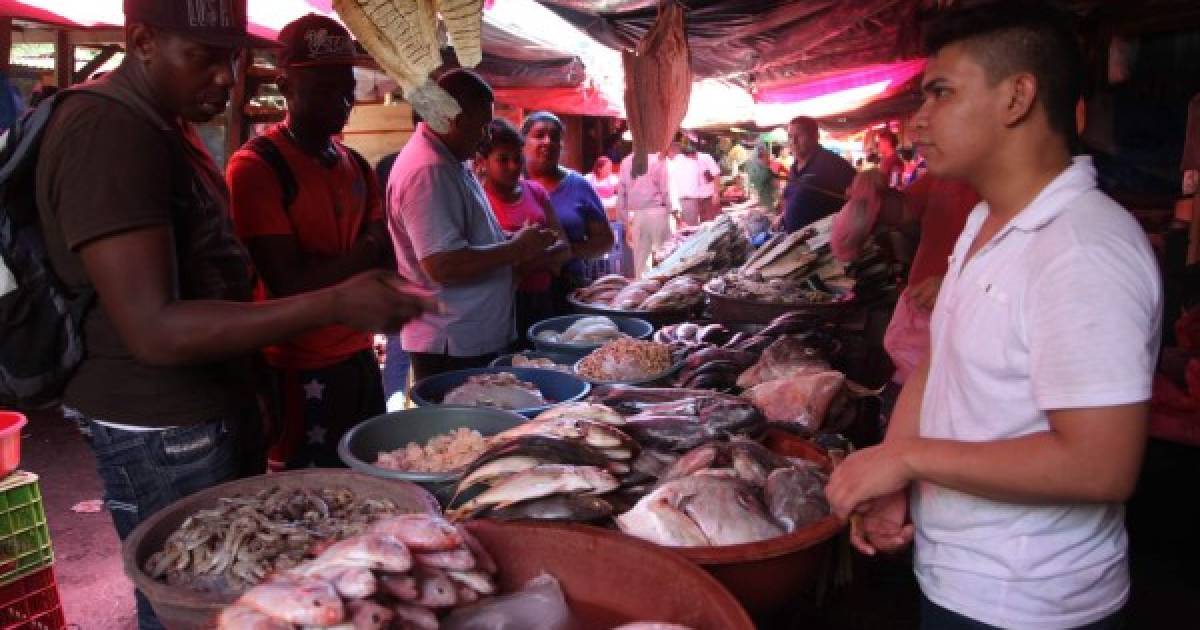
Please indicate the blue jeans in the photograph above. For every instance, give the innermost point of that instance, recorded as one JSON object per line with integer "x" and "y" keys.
{"x": 934, "y": 617}
{"x": 395, "y": 371}
{"x": 145, "y": 471}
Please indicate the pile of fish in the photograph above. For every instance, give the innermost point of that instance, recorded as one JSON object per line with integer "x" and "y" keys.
{"x": 234, "y": 545}
{"x": 691, "y": 334}
{"x": 715, "y": 246}
{"x": 555, "y": 467}
{"x": 502, "y": 390}
{"x": 675, "y": 420}
{"x": 728, "y": 493}
{"x": 404, "y": 570}
{"x": 585, "y": 330}
{"x": 799, "y": 268}
{"x": 649, "y": 294}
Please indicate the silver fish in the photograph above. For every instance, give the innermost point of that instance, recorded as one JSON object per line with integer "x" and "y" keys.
{"x": 541, "y": 481}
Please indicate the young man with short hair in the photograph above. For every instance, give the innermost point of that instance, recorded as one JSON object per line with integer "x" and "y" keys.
{"x": 310, "y": 212}
{"x": 133, "y": 208}
{"x": 1017, "y": 442}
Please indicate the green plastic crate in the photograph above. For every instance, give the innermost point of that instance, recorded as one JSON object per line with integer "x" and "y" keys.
{"x": 24, "y": 537}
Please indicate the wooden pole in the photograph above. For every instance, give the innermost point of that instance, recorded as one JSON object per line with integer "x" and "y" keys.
{"x": 64, "y": 59}
{"x": 5, "y": 44}
{"x": 1193, "y": 251}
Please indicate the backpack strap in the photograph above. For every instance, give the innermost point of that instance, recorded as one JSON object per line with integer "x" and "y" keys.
{"x": 264, "y": 148}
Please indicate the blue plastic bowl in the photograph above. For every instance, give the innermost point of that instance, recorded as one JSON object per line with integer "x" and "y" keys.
{"x": 563, "y": 359}
{"x": 632, "y": 326}
{"x": 556, "y": 387}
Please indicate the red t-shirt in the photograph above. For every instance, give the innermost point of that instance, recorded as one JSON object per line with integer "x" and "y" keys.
{"x": 331, "y": 208}
{"x": 513, "y": 215}
{"x": 942, "y": 205}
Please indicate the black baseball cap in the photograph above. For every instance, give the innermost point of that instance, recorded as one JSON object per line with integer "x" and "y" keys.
{"x": 316, "y": 40}
{"x": 214, "y": 22}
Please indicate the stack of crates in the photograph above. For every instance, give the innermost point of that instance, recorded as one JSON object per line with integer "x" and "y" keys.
{"x": 28, "y": 592}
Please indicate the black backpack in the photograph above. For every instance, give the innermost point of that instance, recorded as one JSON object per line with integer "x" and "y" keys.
{"x": 41, "y": 321}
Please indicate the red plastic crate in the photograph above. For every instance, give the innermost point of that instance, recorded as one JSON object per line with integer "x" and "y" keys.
{"x": 32, "y": 603}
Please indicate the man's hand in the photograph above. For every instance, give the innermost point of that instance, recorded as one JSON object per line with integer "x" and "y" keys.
{"x": 532, "y": 241}
{"x": 883, "y": 525}
{"x": 924, "y": 295}
{"x": 379, "y": 301}
{"x": 867, "y": 475}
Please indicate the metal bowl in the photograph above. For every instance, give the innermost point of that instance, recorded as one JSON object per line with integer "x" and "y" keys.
{"x": 556, "y": 387}
{"x": 632, "y": 326}
{"x": 361, "y": 445}
{"x": 180, "y": 608}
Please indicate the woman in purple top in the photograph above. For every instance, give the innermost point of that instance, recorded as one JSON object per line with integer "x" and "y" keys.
{"x": 578, "y": 207}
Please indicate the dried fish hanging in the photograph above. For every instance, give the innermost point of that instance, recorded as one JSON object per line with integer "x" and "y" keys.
{"x": 402, "y": 36}
{"x": 658, "y": 84}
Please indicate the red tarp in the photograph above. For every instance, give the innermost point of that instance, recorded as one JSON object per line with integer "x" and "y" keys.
{"x": 896, "y": 74}
{"x": 575, "y": 101}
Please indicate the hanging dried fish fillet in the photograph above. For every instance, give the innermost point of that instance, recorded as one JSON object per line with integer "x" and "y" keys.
{"x": 402, "y": 37}
{"x": 658, "y": 84}
{"x": 464, "y": 27}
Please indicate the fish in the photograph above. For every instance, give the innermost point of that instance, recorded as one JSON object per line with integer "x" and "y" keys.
{"x": 753, "y": 461}
{"x": 297, "y": 600}
{"x": 540, "y": 481}
{"x": 523, "y": 452}
{"x": 369, "y": 615}
{"x": 402, "y": 587}
{"x": 239, "y": 617}
{"x": 477, "y": 581}
{"x": 483, "y": 559}
{"x": 467, "y": 595}
{"x": 373, "y": 550}
{"x": 727, "y": 511}
{"x": 670, "y": 433}
{"x": 655, "y": 519}
{"x": 415, "y": 617}
{"x": 595, "y": 434}
{"x": 458, "y": 560}
{"x": 489, "y": 472}
{"x": 559, "y": 507}
{"x": 583, "y": 410}
{"x": 434, "y": 588}
{"x": 350, "y": 582}
{"x": 421, "y": 532}
{"x": 699, "y": 458}
{"x": 795, "y": 497}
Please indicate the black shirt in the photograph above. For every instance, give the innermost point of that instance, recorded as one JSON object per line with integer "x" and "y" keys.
{"x": 821, "y": 192}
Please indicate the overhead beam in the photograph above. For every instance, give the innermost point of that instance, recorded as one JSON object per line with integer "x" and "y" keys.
{"x": 106, "y": 53}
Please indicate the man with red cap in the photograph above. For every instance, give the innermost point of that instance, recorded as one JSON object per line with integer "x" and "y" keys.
{"x": 309, "y": 211}
{"x": 134, "y": 211}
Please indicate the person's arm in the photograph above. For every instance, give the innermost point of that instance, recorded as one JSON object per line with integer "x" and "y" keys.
{"x": 468, "y": 264}
{"x": 286, "y": 272}
{"x": 142, "y": 300}
{"x": 598, "y": 235}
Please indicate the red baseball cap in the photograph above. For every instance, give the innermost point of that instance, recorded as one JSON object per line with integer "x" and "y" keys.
{"x": 214, "y": 22}
{"x": 316, "y": 40}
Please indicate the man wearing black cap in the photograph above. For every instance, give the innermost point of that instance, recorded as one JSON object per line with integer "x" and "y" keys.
{"x": 134, "y": 209}
{"x": 310, "y": 212}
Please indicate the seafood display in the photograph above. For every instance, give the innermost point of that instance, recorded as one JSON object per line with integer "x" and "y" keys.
{"x": 692, "y": 334}
{"x": 625, "y": 360}
{"x": 233, "y": 546}
{"x": 728, "y": 493}
{"x": 404, "y": 570}
{"x": 714, "y": 246}
{"x": 442, "y": 453}
{"x": 589, "y": 330}
{"x": 675, "y": 420}
{"x": 799, "y": 268}
{"x": 787, "y": 356}
{"x": 502, "y": 390}
{"x": 649, "y": 294}
{"x": 520, "y": 360}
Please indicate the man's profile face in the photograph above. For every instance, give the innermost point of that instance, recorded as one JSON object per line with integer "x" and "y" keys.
{"x": 192, "y": 79}
{"x": 958, "y": 122}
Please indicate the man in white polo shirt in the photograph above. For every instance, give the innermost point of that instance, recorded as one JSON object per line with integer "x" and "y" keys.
{"x": 1016, "y": 443}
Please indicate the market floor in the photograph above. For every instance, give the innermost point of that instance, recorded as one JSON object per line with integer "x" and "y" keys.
{"x": 883, "y": 595}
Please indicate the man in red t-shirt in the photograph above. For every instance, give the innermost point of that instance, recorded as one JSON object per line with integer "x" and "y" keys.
{"x": 941, "y": 207}
{"x": 309, "y": 211}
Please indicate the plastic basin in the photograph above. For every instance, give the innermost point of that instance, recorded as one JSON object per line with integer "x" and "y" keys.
{"x": 563, "y": 359}
{"x": 361, "y": 445}
{"x": 556, "y": 387}
{"x": 181, "y": 608}
{"x": 632, "y": 326}
{"x": 610, "y": 579}
{"x": 11, "y": 423}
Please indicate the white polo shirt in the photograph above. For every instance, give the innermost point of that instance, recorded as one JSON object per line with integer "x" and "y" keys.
{"x": 1060, "y": 310}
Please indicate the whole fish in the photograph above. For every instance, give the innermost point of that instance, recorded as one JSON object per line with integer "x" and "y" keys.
{"x": 239, "y": 617}
{"x": 795, "y": 497}
{"x": 350, "y": 582}
{"x": 297, "y": 600}
{"x": 541, "y": 481}
{"x": 403, "y": 587}
{"x": 699, "y": 458}
{"x": 727, "y": 511}
{"x": 657, "y": 520}
{"x": 421, "y": 532}
{"x": 559, "y": 507}
{"x": 435, "y": 589}
{"x": 595, "y": 434}
{"x": 372, "y": 550}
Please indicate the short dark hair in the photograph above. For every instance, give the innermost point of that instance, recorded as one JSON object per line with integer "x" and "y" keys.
{"x": 1011, "y": 36}
{"x": 537, "y": 117}
{"x": 809, "y": 125}
{"x": 468, "y": 88}
{"x": 501, "y": 133}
